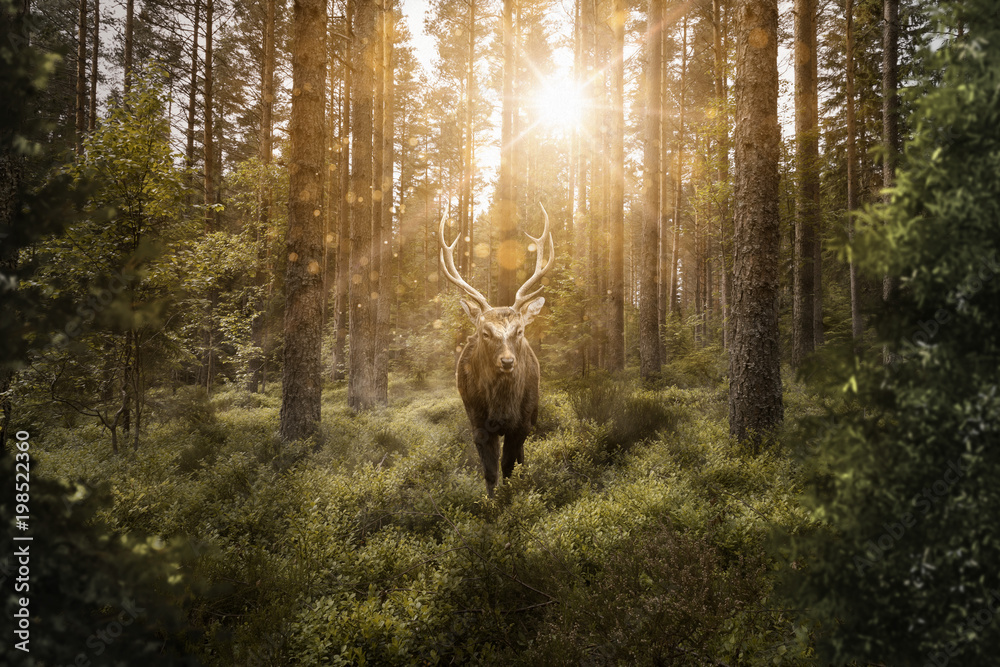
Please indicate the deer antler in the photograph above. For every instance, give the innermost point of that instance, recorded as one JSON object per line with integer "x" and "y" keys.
{"x": 522, "y": 297}
{"x": 447, "y": 259}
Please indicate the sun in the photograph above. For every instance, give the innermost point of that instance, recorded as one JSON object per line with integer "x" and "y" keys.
{"x": 558, "y": 104}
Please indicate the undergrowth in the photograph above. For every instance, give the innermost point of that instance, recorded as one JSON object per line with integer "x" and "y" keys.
{"x": 637, "y": 533}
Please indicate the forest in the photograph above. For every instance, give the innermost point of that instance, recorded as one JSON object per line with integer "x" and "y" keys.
{"x": 480, "y": 332}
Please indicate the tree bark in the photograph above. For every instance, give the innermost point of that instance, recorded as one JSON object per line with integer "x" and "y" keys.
{"x": 506, "y": 203}
{"x": 378, "y": 232}
{"x": 616, "y": 320}
{"x": 806, "y": 164}
{"x": 344, "y": 232}
{"x": 890, "y": 110}
{"x": 193, "y": 90}
{"x": 361, "y": 387}
{"x": 384, "y": 171}
{"x": 673, "y": 305}
{"x": 852, "y": 174}
{"x": 209, "y": 165}
{"x": 81, "y": 75}
{"x": 755, "y": 406}
{"x": 129, "y": 32}
{"x": 649, "y": 340}
{"x": 725, "y": 221}
{"x": 467, "y": 210}
{"x": 301, "y": 384}
{"x": 94, "y": 53}
{"x": 266, "y": 150}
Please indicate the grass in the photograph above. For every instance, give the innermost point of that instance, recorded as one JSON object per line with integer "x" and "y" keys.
{"x": 636, "y": 533}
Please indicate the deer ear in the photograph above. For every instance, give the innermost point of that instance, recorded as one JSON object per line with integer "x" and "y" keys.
{"x": 472, "y": 310}
{"x": 531, "y": 309}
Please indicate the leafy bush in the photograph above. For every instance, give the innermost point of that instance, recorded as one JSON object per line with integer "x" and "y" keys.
{"x": 902, "y": 570}
{"x": 660, "y": 597}
{"x": 625, "y": 415}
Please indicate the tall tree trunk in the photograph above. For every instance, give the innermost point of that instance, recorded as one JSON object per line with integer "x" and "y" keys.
{"x": 674, "y": 305}
{"x": 467, "y": 210}
{"x": 583, "y": 73}
{"x": 266, "y": 149}
{"x": 81, "y": 75}
{"x": 719, "y": 15}
{"x": 301, "y": 384}
{"x": 616, "y": 321}
{"x": 667, "y": 177}
{"x": 361, "y": 388}
{"x": 649, "y": 339}
{"x": 383, "y": 173}
{"x": 129, "y": 37}
{"x": 344, "y": 232}
{"x": 94, "y": 54}
{"x": 890, "y": 110}
{"x": 755, "y": 406}
{"x": 852, "y": 174}
{"x": 806, "y": 164}
{"x": 379, "y": 235}
{"x": 506, "y": 204}
{"x": 209, "y": 140}
{"x": 193, "y": 90}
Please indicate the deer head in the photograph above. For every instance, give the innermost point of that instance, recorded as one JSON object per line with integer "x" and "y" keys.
{"x": 500, "y": 331}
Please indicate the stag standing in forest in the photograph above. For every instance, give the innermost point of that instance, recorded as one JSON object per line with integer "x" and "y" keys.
{"x": 497, "y": 373}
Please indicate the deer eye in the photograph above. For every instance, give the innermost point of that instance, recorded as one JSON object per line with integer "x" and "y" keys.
{"x": 520, "y": 332}
{"x": 486, "y": 334}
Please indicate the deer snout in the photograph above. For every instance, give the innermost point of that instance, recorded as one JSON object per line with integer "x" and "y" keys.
{"x": 507, "y": 363}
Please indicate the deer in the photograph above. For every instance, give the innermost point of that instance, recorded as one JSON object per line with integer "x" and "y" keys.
{"x": 497, "y": 372}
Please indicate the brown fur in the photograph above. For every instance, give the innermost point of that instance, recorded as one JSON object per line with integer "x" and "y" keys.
{"x": 499, "y": 403}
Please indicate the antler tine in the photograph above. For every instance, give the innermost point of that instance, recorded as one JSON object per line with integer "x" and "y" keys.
{"x": 522, "y": 297}
{"x": 447, "y": 258}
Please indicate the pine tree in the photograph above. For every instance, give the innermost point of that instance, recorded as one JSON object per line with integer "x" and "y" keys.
{"x": 755, "y": 406}
{"x": 301, "y": 383}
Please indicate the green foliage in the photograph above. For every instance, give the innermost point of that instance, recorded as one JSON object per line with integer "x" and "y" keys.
{"x": 109, "y": 597}
{"x": 901, "y": 571}
{"x": 622, "y": 415}
{"x": 381, "y": 547}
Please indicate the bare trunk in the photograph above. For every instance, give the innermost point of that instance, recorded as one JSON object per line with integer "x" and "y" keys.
{"x": 384, "y": 148}
{"x": 81, "y": 75}
{"x": 852, "y": 174}
{"x": 467, "y": 211}
{"x": 344, "y": 232}
{"x": 209, "y": 165}
{"x": 890, "y": 110}
{"x": 301, "y": 382}
{"x": 506, "y": 204}
{"x": 755, "y": 406}
{"x": 649, "y": 340}
{"x": 94, "y": 53}
{"x": 674, "y": 305}
{"x": 129, "y": 31}
{"x": 193, "y": 91}
{"x": 806, "y": 164}
{"x": 361, "y": 388}
{"x": 616, "y": 321}
{"x": 259, "y": 323}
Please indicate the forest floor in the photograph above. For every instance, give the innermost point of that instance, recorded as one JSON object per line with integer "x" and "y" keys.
{"x": 636, "y": 533}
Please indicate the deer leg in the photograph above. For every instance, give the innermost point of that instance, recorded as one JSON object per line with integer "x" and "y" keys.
{"x": 513, "y": 451}
{"x": 488, "y": 445}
